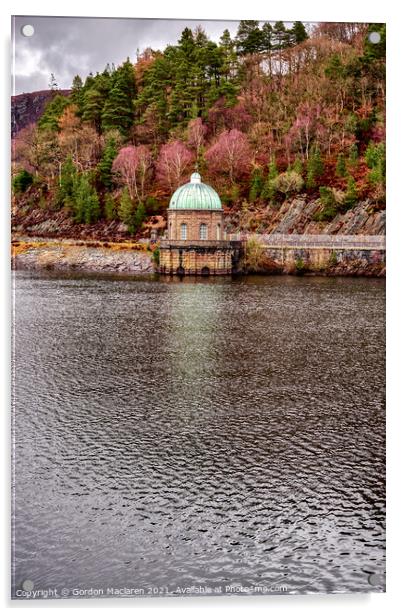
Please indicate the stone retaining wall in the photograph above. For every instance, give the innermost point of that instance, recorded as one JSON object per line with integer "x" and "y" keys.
{"x": 333, "y": 261}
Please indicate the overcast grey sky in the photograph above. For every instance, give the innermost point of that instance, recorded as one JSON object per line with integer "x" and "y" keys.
{"x": 67, "y": 46}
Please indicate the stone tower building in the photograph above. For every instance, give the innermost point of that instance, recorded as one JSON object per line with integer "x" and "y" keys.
{"x": 196, "y": 242}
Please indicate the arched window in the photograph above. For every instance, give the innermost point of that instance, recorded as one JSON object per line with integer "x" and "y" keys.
{"x": 203, "y": 231}
{"x": 218, "y": 231}
{"x": 170, "y": 231}
{"x": 183, "y": 231}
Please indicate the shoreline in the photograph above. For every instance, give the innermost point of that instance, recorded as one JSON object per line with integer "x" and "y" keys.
{"x": 79, "y": 256}
{"x": 69, "y": 255}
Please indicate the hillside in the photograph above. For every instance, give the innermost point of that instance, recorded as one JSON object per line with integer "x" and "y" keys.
{"x": 27, "y": 108}
{"x": 287, "y": 124}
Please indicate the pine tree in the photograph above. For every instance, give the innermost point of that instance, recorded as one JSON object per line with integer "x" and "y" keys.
{"x": 68, "y": 174}
{"x": 281, "y": 36}
{"x": 106, "y": 162}
{"x": 375, "y": 159}
{"x": 298, "y": 166}
{"x": 138, "y": 217}
{"x": 200, "y": 38}
{"x": 249, "y": 38}
{"x": 186, "y": 43}
{"x": 93, "y": 103}
{"x": 79, "y": 199}
{"x": 341, "y": 170}
{"x": 53, "y": 111}
{"x": 151, "y": 105}
{"x": 77, "y": 93}
{"x": 256, "y": 185}
{"x": 53, "y": 85}
{"x": 315, "y": 168}
{"x": 182, "y": 97}
{"x": 92, "y": 208}
{"x": 351, "y": 194}
{"x": 22, "y": 181}
{"x": 228, "y": 51}
{"x": 266, "y": 37}
{"x": 118, "y": 110}
{"x": 268, "y": 191}
{"x": 85, "y": 200}
{"x": 298, "y": 33}
{"x": 110, "y": 207}
{"x": 126, "y": 209}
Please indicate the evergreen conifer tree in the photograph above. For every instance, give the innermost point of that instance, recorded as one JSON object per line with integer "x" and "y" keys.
{"x": 110, "y": 207}
{"x": 341, "y": 170}
{"x": 268, "y": 191}
{"x": 126, "y": 209}
{"x": 85, "y": 200}
{"x": 281, "y": 36}
{"x": 93, "y": 103}
{"x": 22, "y": 181}
{"x": 77, "y": 93}
{"x": 118, "y": 110}
{"x": 92, "y": 207}
{"x": 351, "y": 194}
{"x": 249, "y": 38}
{"x": 256, "y": 185}
{"x": 106, "y": 162}
{"x": 53, "y": 111}
{"x": 138, "y": 217}
{"x": 375, "y": 159}
{"x": 315, "y": 168}
{"x": 298, "y": 33}
{"x": 228, "y": 51}
{"x": 53, "y": 85}
{"x": 266, "y": 37}
{"x": 65, "y": 192}
{"x": 298, "y": 166}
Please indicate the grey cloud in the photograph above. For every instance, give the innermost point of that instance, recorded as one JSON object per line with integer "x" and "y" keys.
{"x": 67, "y": 46}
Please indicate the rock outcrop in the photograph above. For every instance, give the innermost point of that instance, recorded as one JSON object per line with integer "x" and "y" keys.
{"x": 27, "y": 108}
{"x": 298, "y": 216}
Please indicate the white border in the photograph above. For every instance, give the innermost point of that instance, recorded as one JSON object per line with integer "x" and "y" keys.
{"x": 307, "y": 10}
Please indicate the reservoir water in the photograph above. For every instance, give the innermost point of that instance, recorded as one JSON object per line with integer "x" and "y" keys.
{"x": 189, "y": 436}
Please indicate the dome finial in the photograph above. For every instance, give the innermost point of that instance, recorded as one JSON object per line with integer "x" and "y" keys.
{"x": 195, "y": 178}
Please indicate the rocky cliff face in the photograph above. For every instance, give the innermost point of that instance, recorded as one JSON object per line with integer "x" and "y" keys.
{"x": 297, "y": 216}
{"x": 28, "y": 107}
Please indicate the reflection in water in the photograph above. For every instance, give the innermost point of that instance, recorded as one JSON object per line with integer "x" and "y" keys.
{"x": 192, "y": 323}
{"x": 208, "y": 432}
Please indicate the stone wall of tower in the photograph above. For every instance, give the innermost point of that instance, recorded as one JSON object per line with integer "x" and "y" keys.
{"x": 196, "y": 258}
{"x": 193, "y": 219}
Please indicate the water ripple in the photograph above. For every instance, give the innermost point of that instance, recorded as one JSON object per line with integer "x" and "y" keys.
{"x": 202, "y": 433}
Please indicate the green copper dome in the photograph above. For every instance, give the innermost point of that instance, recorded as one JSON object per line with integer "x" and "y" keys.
{"x": 195, "y": 196}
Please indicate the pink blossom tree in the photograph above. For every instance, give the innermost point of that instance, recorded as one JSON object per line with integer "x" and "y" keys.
{"x": 173, "y": 163}
{"x": 132, "y": 167}
{"x": 230, "y": 153}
